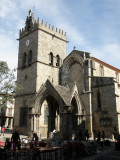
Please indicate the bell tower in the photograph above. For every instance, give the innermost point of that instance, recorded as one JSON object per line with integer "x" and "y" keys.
{"x": 42, "y": 49}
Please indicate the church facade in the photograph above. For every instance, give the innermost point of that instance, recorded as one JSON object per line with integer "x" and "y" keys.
{"x": 71, "y": 93}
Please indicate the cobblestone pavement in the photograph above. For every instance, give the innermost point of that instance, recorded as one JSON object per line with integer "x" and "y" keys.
{"x": 113, "y": 155}
{"x": 108, "y": 153}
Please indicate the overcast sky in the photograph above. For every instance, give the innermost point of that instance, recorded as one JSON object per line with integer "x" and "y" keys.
{"x": 91, "y": 25}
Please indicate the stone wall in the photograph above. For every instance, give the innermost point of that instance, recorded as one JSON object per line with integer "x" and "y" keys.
{"x": 104, "y": 105}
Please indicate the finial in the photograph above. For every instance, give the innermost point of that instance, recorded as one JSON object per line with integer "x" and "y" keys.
{"x": 59, "y": 30}
{"x": 56, "y": 29}
{"x": 46, "y": 24}
{"x": 52, "y": 27}
{"x": 38, "y": 20}
{"x": 62, "y": 32}
{"x": 49, "y": 26}
{"x": 42, "y": 23}
{"x": 74, "y": 47}
{"x": 30, "y": 12}
{"x": 20, "y": 32}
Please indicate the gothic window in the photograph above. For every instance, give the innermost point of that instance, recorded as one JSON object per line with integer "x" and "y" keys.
{"x": 51, "y": 58}
{"x": 30, "y": 58}
{"x": 98, "y": 99}
{"x": 24, "y": 59}
{"x": 23, "y": 117}
{"x": 57, "y": 60}
{"x": 101, "y": 70}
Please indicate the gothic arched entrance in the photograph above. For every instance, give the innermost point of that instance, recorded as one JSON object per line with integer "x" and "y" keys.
{"x": 78, "y": 120}
{"x": 49, "y": 118}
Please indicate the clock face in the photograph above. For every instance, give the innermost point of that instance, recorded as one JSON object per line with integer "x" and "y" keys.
{"x": 27, "y": 42}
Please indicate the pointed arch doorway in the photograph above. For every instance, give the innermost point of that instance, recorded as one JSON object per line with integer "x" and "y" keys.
{"x": 78, "y": 120}
{"x": 50, "y": 117}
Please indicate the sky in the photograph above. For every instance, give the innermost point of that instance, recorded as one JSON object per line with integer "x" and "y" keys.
{"x": 91, "y": 25}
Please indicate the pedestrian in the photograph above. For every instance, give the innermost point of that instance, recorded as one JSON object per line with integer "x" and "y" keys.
{"x": 35, "y": 138}
{"x": 94, "y": 132}
{"x": 3, "y": 130}
{"x": 103, "y": 135}
{"x": 16, "y": 140}
{"x": 54, "y": 131}
{"x": 98, "y": 136}
{"x": 87, "y": 135}
{"x": 7, "y": 146}
{"x": 0, "y": 130}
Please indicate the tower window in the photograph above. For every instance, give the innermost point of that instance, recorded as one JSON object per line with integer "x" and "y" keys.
{"x": 57, "y": 60}
{"x": 24, "y": 59}
{"x": 30, "y": 58}
{"x": 51, "y": 58}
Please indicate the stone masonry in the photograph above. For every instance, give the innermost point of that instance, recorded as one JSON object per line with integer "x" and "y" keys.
{"x": 75, "y": 91}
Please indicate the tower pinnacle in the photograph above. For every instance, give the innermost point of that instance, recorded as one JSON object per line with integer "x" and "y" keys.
{"x": 30, "y": 12}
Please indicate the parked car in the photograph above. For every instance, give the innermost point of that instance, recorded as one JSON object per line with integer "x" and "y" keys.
{"x": 117, "y": 143}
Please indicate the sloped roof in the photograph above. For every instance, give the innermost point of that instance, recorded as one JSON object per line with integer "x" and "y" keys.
{"x": 106, "y": 64}
{"x": 65, "y": 93}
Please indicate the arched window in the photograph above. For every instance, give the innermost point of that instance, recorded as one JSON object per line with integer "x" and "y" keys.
{"x": 51, "y": 58}
{"x": 24, "y": 59}
{"x": 30, "y": 58}
{"x": 57, "y": 60}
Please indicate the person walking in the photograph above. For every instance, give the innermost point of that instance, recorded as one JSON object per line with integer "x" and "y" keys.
{"x": 54, "y": 131}
{"x": 98, "y": 136}
{"x": 15, "y": 139}
{"x": 103, "y": 135}
{"x": 3, "y": 130}
{"x": 0, "y": 130}
{"x": 35, "y": 138}
{"x": 87, "y": 135}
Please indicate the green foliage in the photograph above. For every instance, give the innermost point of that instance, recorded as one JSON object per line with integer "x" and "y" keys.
{"x": 7, "y": 84}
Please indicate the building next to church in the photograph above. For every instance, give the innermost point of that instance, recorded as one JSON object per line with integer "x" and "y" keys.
{"x": 71, "y": 93}
{"x": 6, "y": 111}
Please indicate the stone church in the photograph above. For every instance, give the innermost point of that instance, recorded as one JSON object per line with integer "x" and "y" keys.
{"x": 71, "y": 93}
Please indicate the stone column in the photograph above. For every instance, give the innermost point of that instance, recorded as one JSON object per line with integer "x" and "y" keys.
{"x": 11, "y": 123}
{"x": 34, "y": 122}
{"x": 66, "y": 126}
{"x": 6, "y": 122}
{"x": 58, "y": 122}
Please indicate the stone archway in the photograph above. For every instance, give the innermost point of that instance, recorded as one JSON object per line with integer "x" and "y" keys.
{"x": 49, "y": 117}
{"x": 77, "y": 119}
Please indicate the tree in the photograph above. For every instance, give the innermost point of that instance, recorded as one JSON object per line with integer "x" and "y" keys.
{"x": 7, "y": 84}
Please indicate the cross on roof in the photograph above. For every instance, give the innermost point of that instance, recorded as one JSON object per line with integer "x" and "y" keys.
{"x": 74, "y": 47}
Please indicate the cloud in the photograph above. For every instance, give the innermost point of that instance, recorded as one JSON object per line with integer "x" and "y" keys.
{"x": 7, "y": 51}
{"x": 90, "y": 25}
{"x": 7, "y": 7}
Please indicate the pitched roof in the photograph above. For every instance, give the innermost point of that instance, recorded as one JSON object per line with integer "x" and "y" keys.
{"x": 106, "y": 64}
{"x": 65, "y": 93}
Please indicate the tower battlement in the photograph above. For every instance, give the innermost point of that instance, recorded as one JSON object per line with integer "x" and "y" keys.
{"x": 31, "y": 25}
